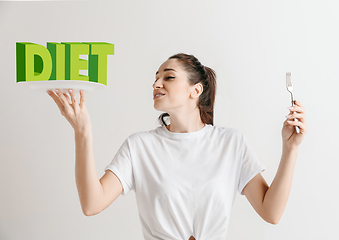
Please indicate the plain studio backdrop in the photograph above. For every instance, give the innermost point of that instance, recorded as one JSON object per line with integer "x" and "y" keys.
{"x": 250, "y": 44}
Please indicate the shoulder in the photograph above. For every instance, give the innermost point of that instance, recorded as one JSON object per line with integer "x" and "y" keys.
{"x": 141, "y": 135}
{"x": 227, "y": 132}
{"x": 227, "y": 136}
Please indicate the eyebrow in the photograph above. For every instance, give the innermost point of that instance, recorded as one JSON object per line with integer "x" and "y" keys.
{"x": 166, "y": 69}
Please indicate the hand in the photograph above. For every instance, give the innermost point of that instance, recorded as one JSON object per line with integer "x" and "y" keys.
{"x": 76, "y": 114}
{"x": 291, "y": 138}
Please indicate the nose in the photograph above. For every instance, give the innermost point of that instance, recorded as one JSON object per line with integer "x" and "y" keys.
{"x": 157, "y": 84}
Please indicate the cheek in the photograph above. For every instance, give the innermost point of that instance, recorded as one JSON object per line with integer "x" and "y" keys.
{"x": 177, "y": 94}
{"x": 177, "y": 97}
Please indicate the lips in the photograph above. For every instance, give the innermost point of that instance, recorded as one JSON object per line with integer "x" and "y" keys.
{"x": 156, "y": 96}
{"x": 156, "y": 93}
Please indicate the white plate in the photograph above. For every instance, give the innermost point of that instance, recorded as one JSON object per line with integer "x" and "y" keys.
{"x": 63, "y": 85}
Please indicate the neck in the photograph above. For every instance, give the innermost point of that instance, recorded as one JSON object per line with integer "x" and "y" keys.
{"x": 186, "y": 123}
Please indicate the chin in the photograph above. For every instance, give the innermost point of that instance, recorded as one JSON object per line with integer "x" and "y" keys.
{"x": 158, "y": 108}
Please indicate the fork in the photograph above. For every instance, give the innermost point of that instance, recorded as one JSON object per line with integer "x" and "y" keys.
{"x": 290, "y": 89}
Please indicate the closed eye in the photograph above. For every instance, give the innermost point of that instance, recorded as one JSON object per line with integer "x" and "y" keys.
{"x": 165, "y": 78}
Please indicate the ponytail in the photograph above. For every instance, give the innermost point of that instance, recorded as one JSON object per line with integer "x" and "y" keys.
{"x": 206, "y": 101}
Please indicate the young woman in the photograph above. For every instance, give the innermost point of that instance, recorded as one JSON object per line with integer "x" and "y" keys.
{"x": 186, "y": 174}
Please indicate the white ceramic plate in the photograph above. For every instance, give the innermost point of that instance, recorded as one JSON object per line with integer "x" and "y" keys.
{"x": 63, "y": 85}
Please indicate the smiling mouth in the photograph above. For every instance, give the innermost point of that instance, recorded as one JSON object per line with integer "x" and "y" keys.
{"x": 158, "y": 96}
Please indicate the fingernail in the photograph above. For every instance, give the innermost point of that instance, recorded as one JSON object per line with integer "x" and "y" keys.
{"x": 290, "y": 108}
{"x": 82, "y": 91}
{"x": 49, "y": 92}
{"x": 70, "y": 90}
{"x": 57, "y": 91}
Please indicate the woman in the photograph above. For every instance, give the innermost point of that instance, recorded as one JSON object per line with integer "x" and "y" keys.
{"x": 185, "y": 174}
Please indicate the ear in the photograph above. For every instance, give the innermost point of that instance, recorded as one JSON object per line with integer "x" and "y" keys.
{"x": 197, "y": 90}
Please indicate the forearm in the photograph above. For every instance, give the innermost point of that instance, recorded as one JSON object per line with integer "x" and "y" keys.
{"x": 87, "y": 181}
{"x": 276, "y": 197}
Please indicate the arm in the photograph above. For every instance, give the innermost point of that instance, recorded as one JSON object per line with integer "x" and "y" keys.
{"x": 87, "y": 181}
{"x": 270, "y": 202}
{"x": 276, "y": 197}
{"x": 95, "y": 195}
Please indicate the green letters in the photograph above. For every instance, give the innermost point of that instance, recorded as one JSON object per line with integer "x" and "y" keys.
{"x": 98, "y": 60}
{"x": 57, "y": 51}
{"x": 73, "y": 62}
{"x": 34, "y": 62}
{"x": 60, "y": 61}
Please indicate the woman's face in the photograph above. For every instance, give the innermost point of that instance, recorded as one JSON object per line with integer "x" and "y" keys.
{"x": 172, "y": 80}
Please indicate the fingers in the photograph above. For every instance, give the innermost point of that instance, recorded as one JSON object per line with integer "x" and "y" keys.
{"x": 298, "y": 112}
{"x": 63, "y": 98}
{"x": 300, "y": 117}
{"x": 56, "y": 100}
{"x": 297, "y": 108}
{"x": 82, "y": 99}
{"x": 74, "y": 101}
{"x": 68, "y": 99}
{"x": 298, "y": 103}
{"x": 302, "y": 126}
{"x": 62, "y": 101}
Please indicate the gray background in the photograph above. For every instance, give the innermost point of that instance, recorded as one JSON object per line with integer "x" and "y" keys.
{"x": 250, "y": 44}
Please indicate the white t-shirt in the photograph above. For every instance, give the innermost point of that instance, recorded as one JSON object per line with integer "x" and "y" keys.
{"x": 185, "y": 183}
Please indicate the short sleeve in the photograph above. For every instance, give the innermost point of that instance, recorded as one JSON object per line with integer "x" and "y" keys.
{"x": 121, "y": 166}
{"x": 250, "y": 165}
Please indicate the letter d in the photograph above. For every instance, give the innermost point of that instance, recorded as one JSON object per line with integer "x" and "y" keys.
{"x": 34, "y": 62}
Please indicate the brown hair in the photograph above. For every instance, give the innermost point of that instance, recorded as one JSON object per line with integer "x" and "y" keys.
{"x": 198, "y": 73}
